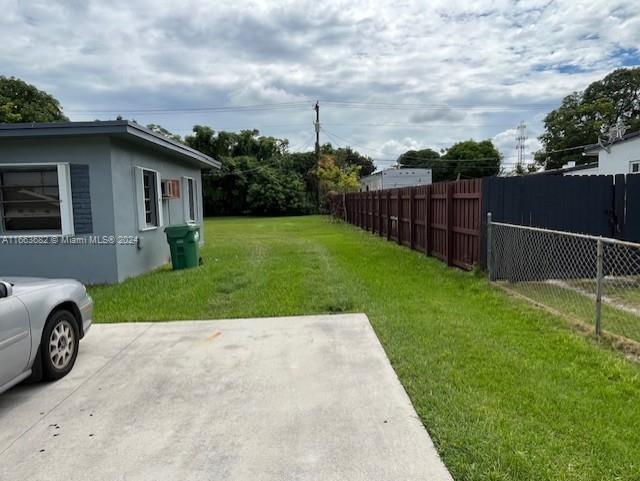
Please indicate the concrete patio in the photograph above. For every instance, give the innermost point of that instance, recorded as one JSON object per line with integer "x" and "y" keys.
{"x": 298, "y": 398}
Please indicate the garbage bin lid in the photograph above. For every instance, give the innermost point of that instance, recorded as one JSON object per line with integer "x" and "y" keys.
{"x": 178, "y": 229}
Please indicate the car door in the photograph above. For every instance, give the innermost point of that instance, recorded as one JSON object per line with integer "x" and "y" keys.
{"x": 15, "y": 338}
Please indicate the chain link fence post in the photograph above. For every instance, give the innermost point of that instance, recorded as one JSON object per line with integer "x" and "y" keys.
{"x": 490, "y": 267}
{"x": 593, "y": 281}
{"x": 599, "y": 278}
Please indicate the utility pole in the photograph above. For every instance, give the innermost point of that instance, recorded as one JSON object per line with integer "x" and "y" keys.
{"x": 317, "y": 124}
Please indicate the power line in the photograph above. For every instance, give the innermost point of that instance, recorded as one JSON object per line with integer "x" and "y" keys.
{"x": 443, "y": 106}
{"x": 352, "y": 144}
{"x": 303, "y": 145}
{"x": 567, "y": 149}
{"x": 271, "y": 163}
{"x": 330, "y": 135}
{"x": 303, "y": 104}
{"x": 414, "y": 124}
{"x": 221, "y": 108}
{"x": 409, "y": 157}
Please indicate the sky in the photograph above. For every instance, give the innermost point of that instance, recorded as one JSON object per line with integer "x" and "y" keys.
{"x": 389, "y": 76}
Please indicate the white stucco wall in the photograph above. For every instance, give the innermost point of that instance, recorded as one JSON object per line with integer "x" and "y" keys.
{"x": 617, "y": 161}
{"x": 395, "y": 178}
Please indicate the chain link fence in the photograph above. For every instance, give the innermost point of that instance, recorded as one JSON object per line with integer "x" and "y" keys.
{"x": 592, "y": 280}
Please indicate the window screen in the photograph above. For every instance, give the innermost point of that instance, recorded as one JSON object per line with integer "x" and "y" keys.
{"x": 30, "y": 199}
{"x": 192, "y": 199}
{"x": 149, "y": 180}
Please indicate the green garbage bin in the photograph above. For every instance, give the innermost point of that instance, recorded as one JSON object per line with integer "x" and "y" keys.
{"x": 184, "y": 245}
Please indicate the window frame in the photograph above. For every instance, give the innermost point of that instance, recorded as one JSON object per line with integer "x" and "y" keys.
{"x": 142, "y": 212}
{"x": 633, "y": 163}
{"x": 187, "y": 204}
{"x": 64, "y": 192}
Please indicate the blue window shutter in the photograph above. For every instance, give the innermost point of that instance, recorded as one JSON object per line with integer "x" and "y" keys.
{"x": 81, "y": 197}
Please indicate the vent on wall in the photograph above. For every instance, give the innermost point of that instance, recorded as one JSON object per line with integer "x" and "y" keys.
{"x": 170, "y": 188}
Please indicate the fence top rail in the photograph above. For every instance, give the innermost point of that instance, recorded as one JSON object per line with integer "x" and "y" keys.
{"x": 607, "y": 240}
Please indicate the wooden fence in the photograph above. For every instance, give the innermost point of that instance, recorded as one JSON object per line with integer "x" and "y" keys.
{"x": 442, "y": 220}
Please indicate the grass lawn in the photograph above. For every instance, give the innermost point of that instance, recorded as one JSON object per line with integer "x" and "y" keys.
{"x": 505, "y": 390}
{"x": 581, "y": 306}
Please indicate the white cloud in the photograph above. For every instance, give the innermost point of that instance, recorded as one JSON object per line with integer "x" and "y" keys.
{"x": 122, "y": 55}
{"x": 394, "y": 148}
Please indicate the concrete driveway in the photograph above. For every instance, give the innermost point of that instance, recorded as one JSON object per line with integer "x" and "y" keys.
{"x": 299, "y": 398}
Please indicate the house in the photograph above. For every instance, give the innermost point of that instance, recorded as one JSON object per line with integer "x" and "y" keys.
{"x": 393, "y": 178}
{"x": 570, "y": 168}
{"x": 621, "y": 156}
{"x": 89, "y": 200}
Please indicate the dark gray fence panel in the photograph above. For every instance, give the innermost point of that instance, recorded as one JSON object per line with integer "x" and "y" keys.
{"x": 583, "y": 204}
{"x": 631, "y": 231}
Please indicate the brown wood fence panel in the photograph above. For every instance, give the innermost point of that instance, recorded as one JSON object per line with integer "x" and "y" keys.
{"x": 419, "y": 218}
{"x": 467, "y": 222}
{"x": 393, "y": 211}
{"x": 438, "y": 220}
{"x": 442, "y": 220}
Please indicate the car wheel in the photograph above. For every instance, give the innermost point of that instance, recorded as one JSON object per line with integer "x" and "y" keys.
{"x": 59, "y": 347}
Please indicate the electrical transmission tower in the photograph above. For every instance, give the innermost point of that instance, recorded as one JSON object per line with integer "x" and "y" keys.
{"x": 521, "y": 137}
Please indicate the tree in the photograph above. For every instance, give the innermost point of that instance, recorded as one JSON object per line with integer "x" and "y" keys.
{"x": 347, "y": 158}
{"x": 585, "y": 116}
{"x": 418, "y": 158}
{"x": 425, "y": 159}
{"x": 479, "y": 159}
{"x": 304, "y": 164}
{"x": 159, "y": 129}
{"x": 259, "y": 175}
{"x": 245, "y": 185}
{"x": 232, "y": 144}
{"x": 470, "y": 159}
{"x": 277, "y": 192}
{"x": 332, "y": 179}
{"x": 22, "y": 102}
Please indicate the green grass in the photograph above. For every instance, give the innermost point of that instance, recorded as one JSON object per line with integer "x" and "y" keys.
{"x": 507, "y": 391}
{"x": 625, "y": 290}
{"x": 582, "y": 307}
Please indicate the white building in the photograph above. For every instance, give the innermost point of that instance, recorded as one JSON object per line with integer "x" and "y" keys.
{"x": 619, "y": 157}
{"x": 394, "y": 178}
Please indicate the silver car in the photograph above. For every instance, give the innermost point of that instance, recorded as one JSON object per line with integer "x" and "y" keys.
{"x": 41, "y": 324}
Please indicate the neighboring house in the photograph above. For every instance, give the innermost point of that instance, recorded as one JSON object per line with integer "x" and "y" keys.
{"x": 572, "y": 169}
{"x": 97, "y": 196}
{"x": 621, "y": 156}
{"x": 393, "y": 178}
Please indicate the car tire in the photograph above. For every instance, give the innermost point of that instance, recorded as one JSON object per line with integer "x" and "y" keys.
{"x": 59, "y": 346}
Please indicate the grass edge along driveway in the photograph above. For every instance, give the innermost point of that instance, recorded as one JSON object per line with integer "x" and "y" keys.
{"x": 506, "y": 391}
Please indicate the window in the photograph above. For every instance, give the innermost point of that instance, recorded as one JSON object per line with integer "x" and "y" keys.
{"x": 149, "y": 199}
{"x": 192, "y": 199}
{"x": 634, "y": 167}
{"x": 189, "y": 199}
{"x": 35, "y": 199}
